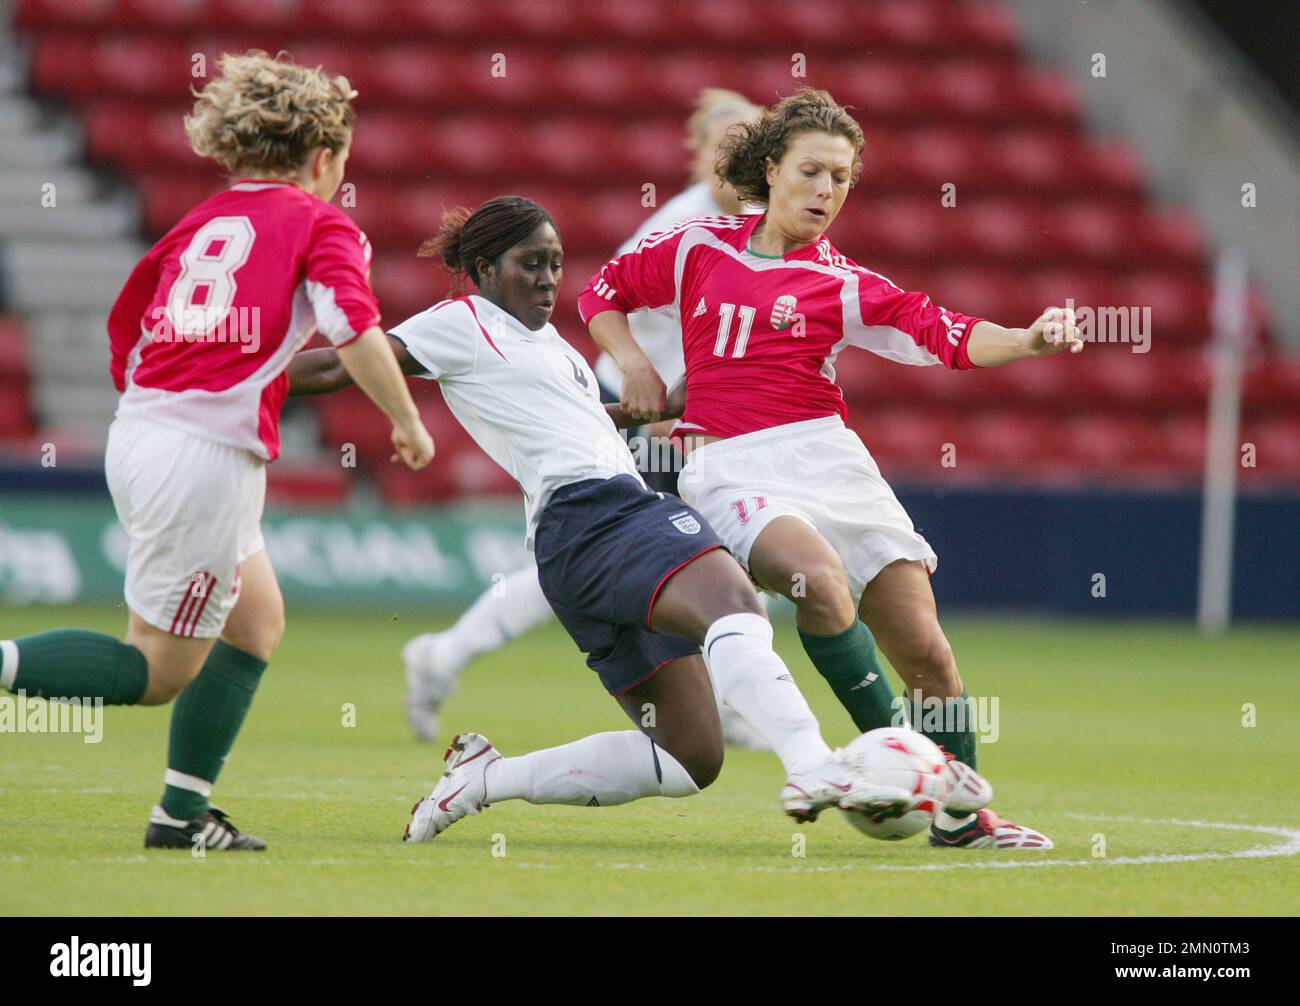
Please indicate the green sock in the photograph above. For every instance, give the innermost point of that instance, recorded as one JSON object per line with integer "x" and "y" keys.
{"x": 941, "y": 726}
{"x": 74, "y": 663}
{"x": 206, "y": 719}
{"x": 849, "y": 663}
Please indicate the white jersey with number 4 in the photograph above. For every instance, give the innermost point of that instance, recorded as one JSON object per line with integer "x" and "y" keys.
{"x": 527, "y": 398}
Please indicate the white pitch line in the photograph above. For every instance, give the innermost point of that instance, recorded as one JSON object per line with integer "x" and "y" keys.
{"x": 1289, "y": 847}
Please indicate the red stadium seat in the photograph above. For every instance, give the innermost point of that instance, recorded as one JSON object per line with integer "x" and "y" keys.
{"x": 566, "y": 147}
{"x": 1113, "y": 375}
{"x": 1097, "y": 443}
{"x": 902, "y": 439}
{"x": 163, "y": 15}
{"x": 1172, "y": 236}
{"x": 984, "y": 291}
{"x": 289, "y": 484}
{"x": 650, "y": 151}
{"x": 904, "y": 227}
{"x": 1179, "y": 303}
{"x": 604, "y": 79}
{"x": 1178, "y": 445}
{"x": 1001, "y": 228}
{"x": 262, "y": 15}
{"x": 1282, "y": 383}
{"x": 968, "y": 89}
{"x": 342, "y": 18}
{"x": 628, "y": 20}
{"x": 884, "y": 87}
{"x": 1277, "y": 446}
{"x": 83, "y": 14}
{"x": 674, "y": 80}
{"x": 1005, "y": 440}
{"x": 1092, "y": 230}
{"x": 1045, "y": 96}
{"x": 59, "y": 67}
{"x": 16, "y": 424}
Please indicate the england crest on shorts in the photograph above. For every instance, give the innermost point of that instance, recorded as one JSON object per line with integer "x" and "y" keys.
{"x": 685, "y": 522}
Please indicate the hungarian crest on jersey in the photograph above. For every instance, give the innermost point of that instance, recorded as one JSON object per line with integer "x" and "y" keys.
{"x": 685, "y": 522}
{"x": 783, "y": 311}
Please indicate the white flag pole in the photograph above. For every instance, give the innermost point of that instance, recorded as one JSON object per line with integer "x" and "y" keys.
{"x": 1230, "y": 330}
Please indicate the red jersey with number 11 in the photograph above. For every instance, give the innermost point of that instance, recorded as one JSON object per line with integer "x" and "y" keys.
{"x": 761, "y": 334}
{"x": 208, "y": 321}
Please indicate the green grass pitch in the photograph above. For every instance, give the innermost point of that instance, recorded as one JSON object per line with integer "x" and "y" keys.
{"x": 1109, "y": 735}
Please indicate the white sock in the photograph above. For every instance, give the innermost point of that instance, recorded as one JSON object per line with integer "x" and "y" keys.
{"x": 509, "y": 608}
{"x": 8, "y": 663}
{"x": 597, "y": 771}
{"x": 949, "y": 822}
{"x": 750, "y": 678}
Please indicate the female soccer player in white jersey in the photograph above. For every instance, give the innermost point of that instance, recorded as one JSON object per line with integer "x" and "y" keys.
{"x": 766, "y": 304}
{"x": 638, "y": 578}
{"x": 434, "y": 660}
{"x": 201, "y": 336}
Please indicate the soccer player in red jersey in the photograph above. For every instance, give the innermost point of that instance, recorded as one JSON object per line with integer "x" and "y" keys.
{"x": 201, "y": 337}
{"x": 766, "y": 304}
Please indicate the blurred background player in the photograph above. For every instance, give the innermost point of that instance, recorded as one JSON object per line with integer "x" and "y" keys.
{"x": 515, "y": 605}
{"x": 767, "y": 304}
{"x": 201, "y": 336}
{"x": 637, "y": 578}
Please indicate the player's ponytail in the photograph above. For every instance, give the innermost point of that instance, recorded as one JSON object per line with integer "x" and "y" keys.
{"x": 465, "y": 236}
{"x": 743, "y": 154}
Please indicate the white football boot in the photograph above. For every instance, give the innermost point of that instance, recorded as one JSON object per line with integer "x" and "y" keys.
{"x": 430, "y": 679}
{"x": 835, "y": 783}
{"x": 461, "y": 791}
{"x": 968, "y": 791}
{"x": 988, "y": 831}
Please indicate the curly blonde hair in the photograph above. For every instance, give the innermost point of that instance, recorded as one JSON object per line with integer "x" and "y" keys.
{"x": 742, "y": 156}
{"x": 265, "y": 114}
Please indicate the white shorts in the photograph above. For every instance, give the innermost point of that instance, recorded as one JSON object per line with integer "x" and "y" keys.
{"x": 192, "y": 509}
{"x": 817, "y": 470}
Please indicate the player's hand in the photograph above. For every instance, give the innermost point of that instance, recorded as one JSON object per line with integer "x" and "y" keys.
{"x": 1054, "y": 331}
{"x": 644, "y": 395}
{"x": 414, "y": 446}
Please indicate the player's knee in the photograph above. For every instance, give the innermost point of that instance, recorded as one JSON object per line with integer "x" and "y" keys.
{"x": 261, "y": 638}
{"x": 927, "y": 662}
{"x": 703, "y": 764}
{"x": 821, "y": 588}
{"x": 741, "y": 597}
{"x": 166, "y": 681}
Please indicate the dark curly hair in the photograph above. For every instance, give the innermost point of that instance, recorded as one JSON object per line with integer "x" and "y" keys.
{"x": 496, "y": 226}
{"x": 742, "y": 156}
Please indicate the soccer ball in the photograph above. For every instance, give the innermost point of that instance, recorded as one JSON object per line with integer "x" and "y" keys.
{"x": 908, "y": 760}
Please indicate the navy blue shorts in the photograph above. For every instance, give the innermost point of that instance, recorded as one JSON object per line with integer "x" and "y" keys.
{"x": 604, "y": 548}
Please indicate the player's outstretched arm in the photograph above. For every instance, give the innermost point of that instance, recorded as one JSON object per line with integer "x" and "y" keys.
{"x": 319, "y": 371}
{"x": 992, "y": 345}
{"x": 316, "y": 372}
{"x": 373, "y": 366}
{"x": 644, "y": 395}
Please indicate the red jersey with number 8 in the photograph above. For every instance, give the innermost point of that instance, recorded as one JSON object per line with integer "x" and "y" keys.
{"x": 761, "y": 334}
{"x": 207, "y": 323}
